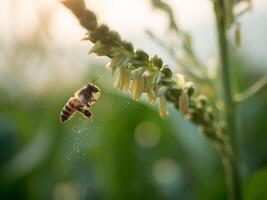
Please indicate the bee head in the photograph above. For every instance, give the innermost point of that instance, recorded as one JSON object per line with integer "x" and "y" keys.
{"x": 92, "y": 88}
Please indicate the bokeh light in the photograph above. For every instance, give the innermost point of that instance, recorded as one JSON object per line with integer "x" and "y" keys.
{"x": 166, "y": 171}
{"x": 147, "y": 134}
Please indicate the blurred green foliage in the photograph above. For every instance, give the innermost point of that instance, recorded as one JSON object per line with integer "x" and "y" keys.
{"x": 255, "y": 187}
{"x": 114, "y": 157}
{"x": 118, "y": 155}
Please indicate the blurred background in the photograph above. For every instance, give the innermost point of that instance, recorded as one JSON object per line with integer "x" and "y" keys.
{"x": 127, "y": 152}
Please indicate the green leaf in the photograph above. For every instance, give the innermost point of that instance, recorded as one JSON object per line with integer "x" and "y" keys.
{"x": 256, "y": 186}
{"x": 96, "y": 47}
{"x": 99, "y": 49}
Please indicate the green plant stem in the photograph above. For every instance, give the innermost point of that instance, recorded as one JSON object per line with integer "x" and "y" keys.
{"x": 230, "y": 162}
{"x": 252, "y": 90}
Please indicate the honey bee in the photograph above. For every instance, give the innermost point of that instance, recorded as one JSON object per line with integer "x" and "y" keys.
{"x": 81, "y": 101}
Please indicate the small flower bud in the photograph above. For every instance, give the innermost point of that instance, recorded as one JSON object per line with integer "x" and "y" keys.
{"x": 173, "y": 93}
{"x": 192, "y": 104}
{"x": 202, "y": 100}
{"x": 208, "y": 115}
{"x": 180, "y": 79}
{"x": 93, "y": 37}
{"x": 128, "y": 46}
{"x": 157, "y": 61}
{"x": 167, "y": 72}
{"x": 113, "y": 37}
{"x": 189, "y": 87}
{"x": 141, "y": 55}
{"x": 103, "y": 29}
{"x": 99, "y": 33}
{"x": 167, "y": 82}
{"x": 193, "y": 116}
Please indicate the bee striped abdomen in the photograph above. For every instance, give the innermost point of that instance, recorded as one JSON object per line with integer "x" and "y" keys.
{"x": 68, "y": 110}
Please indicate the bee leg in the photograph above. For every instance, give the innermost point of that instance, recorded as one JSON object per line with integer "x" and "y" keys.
{"x": 85, "y": 112}
{"x": 92, "y": 102}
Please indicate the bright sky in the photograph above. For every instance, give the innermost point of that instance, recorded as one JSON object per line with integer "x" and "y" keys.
{"x": 131, "y": 17}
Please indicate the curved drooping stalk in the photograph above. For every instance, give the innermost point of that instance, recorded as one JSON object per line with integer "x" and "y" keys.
{"x": 139, "y": 73}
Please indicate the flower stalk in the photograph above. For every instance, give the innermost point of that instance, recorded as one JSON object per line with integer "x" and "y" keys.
{"x": 138, "y": 73}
